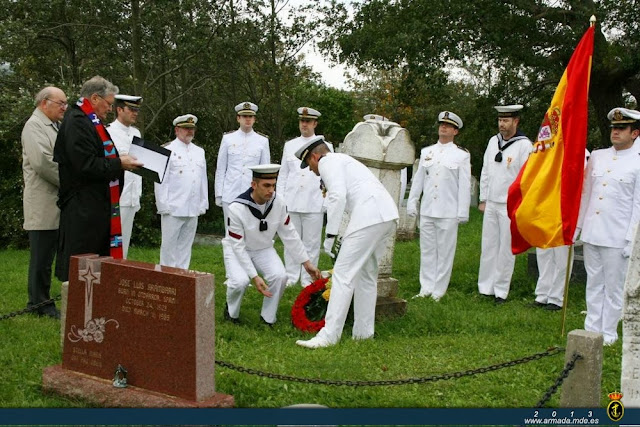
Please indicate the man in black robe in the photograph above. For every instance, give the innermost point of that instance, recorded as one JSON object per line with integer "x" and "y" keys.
{"x": 85, "y": 174}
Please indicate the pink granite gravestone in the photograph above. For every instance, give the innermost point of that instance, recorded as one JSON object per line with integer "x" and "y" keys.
{"x": 156, "y": 322}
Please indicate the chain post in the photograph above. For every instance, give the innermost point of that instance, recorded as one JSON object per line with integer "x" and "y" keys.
{"x": 564, "y": 374}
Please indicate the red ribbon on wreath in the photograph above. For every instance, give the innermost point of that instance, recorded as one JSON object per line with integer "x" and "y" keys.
{"x": 309, "y": 308}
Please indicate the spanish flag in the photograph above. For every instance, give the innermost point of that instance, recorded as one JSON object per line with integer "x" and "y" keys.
{"x": 544, "y": 200}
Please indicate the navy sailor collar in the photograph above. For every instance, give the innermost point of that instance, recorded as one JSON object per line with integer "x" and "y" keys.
{"x": 254, "y": 208}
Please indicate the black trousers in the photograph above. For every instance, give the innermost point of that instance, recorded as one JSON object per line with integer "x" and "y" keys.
{"x": 44, "y": 245}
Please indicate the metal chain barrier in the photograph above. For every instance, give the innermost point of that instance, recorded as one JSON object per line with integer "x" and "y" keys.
{"x": 30, "y": 309}
{"x": 564, "y": 374}
{"x": 550, "y": 352}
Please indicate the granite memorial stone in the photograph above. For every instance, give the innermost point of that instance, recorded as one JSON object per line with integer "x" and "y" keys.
{"x": 155, "y": 323}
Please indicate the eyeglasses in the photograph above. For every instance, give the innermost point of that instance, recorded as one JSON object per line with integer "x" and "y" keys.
{"x": 62, "y": 104}
{"x": 110, "y": 103}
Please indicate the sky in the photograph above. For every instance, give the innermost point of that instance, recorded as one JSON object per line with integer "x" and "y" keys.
{"x": 332, "y": 74}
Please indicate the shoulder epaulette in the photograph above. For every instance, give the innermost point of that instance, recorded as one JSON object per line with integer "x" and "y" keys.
{"x": 262, "y": 134}
{"x": 462, "y": 148}
{"x": 165, "y": 144}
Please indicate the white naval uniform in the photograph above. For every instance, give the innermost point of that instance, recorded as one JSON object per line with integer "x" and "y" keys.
{"x": 352, "y": 188}
{"x": 444, "y": 180}
{"x": 496, "y": 259}
{"x": 300, "y": 189}
{"x": 122, "y": 136}
{"x": 609, "y": 215}
{"x": 238, "y": 150}
{"x": 181, "y": 198}
{"x": 249, "y": 251}
{"x": 552, "y": 269}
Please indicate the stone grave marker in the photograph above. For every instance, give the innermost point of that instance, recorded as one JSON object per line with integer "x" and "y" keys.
{"x": 385, "y": 148}
{"x": 630, "y": 377}
{"x": 156, "y": 322}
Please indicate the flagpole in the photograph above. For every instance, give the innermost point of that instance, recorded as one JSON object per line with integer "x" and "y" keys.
{"x": 567, "y": 276}
{"x": 592, "y": 21}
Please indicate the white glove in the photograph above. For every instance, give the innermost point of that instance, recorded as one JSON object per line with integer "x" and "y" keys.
{"x": 462, "y": 220}
{"x": 412, "y": 212}
{"x": 626, "y": 252}
{"x": 576, "y": 234}
{"x": 328, "y": 246}
{"x": 219, "y": 201}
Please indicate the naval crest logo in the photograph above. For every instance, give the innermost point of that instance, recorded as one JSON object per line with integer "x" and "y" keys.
{"x": 615, "y": 409}
{"x": 617, "y": 115}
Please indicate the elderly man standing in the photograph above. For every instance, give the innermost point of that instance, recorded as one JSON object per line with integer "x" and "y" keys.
{"x": 91, "y": 173}
{"x": 255, "y": 216}
{"x": 505, "y": 154}
{"x": 122, "y": 132}
{"x": 300, "y": 189}
{"x": 609, "y": 216}
{"x": 239, "y": 149}
{"x": 444, "y": 180}
{"x": 41, "y": 183}
{"x": 351, "y": 188}
{"x": 183, "y": 195}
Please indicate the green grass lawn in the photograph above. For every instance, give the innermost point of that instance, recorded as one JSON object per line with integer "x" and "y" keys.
{"x": 463, "y": 331}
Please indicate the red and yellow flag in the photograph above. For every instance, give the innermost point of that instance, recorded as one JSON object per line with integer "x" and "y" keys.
{"x": 544, "y": 200}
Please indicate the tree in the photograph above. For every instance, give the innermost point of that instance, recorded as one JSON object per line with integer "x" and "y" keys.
{"x": 530, "y": 41}
{"x": 192, "y": 56}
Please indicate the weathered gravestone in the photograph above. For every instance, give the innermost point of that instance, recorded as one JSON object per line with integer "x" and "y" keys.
{"x": 407, "y": 224}
{"x": 385, "y": 148}
{"x": 630, "y": 377}
{"x": 155, "y": 322}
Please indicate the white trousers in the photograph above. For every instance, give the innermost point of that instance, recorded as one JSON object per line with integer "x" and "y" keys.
{"x": 606, "y": 272}
{"x": 178, "y": 233}
{"x": 225, "y": 213}
{"x": 309, "y": 228}
{"x": 552, "y": 270}
{"x": 127, "y": 214}
{"x": 438, "y": 238}
{"x": 496, "y": 259}
{"x": 269, "y": 266}
{"x": 355, "y": 274}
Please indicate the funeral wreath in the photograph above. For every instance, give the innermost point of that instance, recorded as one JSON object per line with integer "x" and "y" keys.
{"x": 310, "y": 307}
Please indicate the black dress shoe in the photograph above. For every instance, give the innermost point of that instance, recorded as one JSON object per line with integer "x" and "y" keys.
{"x": 228, "y": 317}
{"x": 54, "y": 314}
{"x": 552, "y": 307}
{"x": 266, "y": 323}
{"x": 536, "y": 304}
{"x": 500, "y": 300}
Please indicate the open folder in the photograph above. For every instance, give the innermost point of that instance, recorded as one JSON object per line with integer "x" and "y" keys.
{"x": 154, "y": 158}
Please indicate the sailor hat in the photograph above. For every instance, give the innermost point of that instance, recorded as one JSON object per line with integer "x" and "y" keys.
{"x": 508, "y": 110}
{"x": 304, "y": 151}
{"x": 308, "y": 113}
{"x": 623, "y": 117}
{"x": 133, "y": 102}
{"x": 265, "y": 171}
{"x": 246, "y": 109}
{"x": 375, "y": 117}
{"x": 186, "y": 121}
{"x": 451, "y": 118}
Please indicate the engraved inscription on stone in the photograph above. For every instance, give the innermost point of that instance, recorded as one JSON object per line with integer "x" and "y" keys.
{"x": 146, "y": 299}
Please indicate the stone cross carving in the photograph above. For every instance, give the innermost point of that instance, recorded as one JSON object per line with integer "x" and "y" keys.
{"x": 385, "y": 148}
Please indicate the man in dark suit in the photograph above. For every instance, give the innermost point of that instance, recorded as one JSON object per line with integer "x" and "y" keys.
{"x": 91, "y": 173}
